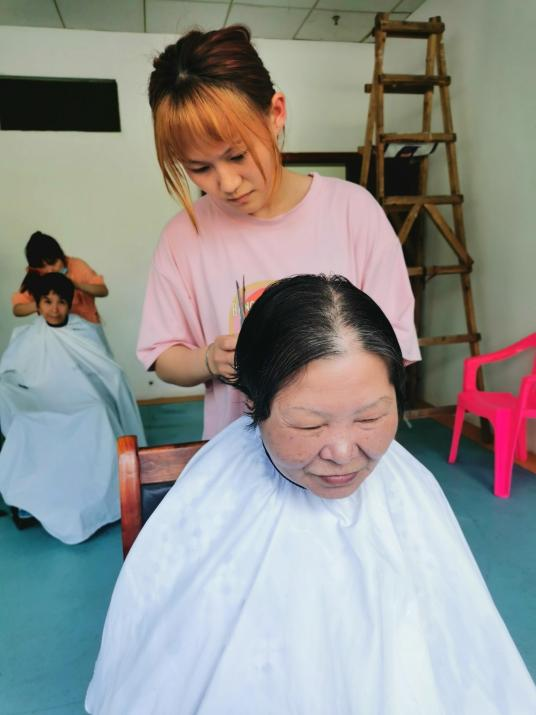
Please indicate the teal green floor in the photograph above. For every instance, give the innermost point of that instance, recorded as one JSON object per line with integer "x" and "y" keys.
{"x": 53, "y": 597}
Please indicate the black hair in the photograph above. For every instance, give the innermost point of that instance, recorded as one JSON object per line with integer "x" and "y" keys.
{"x": 41, "y": 250}
{"x": 300, "y": 319}
{"x": 53, "y": 283}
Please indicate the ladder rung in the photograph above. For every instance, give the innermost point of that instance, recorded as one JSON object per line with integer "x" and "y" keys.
{"x": 393, "y": 28}
{"x": 431, "y": 271}
{"x": 450, "y": 339}
{"x": 389, "y": 201}
{"x": 410, "y": 83}
{"x": 418, "y": 137}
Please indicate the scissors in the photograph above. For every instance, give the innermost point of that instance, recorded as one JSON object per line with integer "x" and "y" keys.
{"x": 241, "y": 297}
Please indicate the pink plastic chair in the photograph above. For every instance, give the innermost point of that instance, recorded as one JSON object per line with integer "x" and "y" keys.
{"x": 505, "y": 411}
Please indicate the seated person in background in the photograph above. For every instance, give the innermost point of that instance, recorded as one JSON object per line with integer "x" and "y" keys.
{"x": 305, "y": 562}
{"x": 63, "y": 403}
{"x": 45, "y": 255}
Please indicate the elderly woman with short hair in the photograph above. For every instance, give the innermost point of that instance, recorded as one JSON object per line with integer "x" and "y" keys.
{"x": 305, "y": 563}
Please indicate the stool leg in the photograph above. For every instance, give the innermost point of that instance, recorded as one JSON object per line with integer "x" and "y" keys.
{"x": 456, "y": 433}
{"x": 504, "y": 453}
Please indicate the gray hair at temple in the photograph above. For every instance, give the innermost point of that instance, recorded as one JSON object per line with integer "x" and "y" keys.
{"x": 300, "y": 319}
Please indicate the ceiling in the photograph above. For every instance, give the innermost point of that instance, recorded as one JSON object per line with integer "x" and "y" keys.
{"x": 329, "y": 20}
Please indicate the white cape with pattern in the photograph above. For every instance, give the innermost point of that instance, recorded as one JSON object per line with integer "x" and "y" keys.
{"x": 247, "y": 595}
{"x": 63, "y": 403}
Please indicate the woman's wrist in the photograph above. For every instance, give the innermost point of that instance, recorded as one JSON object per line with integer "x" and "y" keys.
{"x": 207, "y": 362}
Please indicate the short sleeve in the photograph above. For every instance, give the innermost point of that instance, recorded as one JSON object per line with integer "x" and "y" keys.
{"x": 81, "y": 272}
{"x": 170, "y": 315}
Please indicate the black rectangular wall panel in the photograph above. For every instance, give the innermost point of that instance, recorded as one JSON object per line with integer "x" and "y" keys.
{"x": 59, "y": 104}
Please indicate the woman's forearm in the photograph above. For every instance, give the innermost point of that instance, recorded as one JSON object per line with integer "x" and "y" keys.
{"x": 191, "y": 366}
{"x": 98, "y": 290}
{"x": 22, "y": 309}
{"x": 183, "y": 366}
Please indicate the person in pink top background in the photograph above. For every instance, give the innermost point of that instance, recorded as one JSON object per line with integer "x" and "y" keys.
{"x": 218, "y": 121}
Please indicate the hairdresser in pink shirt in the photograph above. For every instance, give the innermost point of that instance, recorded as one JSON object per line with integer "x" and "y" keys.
{"x": 217, "y": 120}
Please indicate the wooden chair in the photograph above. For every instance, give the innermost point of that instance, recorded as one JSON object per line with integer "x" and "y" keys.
{"x": 145, "y": 476}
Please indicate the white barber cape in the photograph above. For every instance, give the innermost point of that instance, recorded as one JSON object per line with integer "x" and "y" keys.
{"x": 63, "y": 403}
{"x": 248, "y": 595}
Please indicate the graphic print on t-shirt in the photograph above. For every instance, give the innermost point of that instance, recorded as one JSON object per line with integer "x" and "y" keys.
{"x": 251, "y": 292}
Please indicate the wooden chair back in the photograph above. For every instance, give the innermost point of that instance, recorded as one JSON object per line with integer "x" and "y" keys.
{"x": 145, "y": 476}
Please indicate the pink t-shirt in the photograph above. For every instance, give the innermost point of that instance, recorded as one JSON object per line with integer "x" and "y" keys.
{"x": 191, "y": 298}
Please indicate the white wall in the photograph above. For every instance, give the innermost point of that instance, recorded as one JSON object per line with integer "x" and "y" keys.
{"x": 101, "y": 195}
{"x": 491, "y": 57}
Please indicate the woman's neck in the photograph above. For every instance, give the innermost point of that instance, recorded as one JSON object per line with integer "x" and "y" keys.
{"x": 291, "y": 190}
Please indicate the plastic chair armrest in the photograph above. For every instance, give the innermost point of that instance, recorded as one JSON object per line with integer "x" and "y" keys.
{"x": 472, "y": 364}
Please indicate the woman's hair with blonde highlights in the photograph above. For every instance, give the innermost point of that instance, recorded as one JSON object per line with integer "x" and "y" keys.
{"x": 211, "y": 87}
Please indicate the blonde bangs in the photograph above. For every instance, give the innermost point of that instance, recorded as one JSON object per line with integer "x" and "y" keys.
{"x": 211, "y": 115}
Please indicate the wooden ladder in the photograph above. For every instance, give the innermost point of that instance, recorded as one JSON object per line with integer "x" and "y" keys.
{"x": 403, "y": 211}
